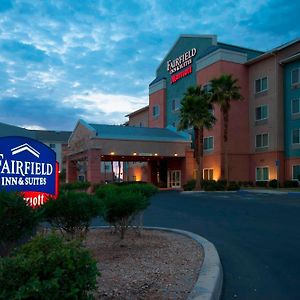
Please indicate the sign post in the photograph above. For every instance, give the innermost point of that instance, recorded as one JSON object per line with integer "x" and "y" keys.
{"x": 29, "y": 167}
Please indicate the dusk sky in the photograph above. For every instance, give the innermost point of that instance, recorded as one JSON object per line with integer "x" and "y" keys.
{"x": 63, "y": 60}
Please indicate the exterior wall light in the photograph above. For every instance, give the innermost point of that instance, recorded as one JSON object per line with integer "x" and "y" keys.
{"x": 155, "y": 154}
{"x": 112, "y": 153}
{"x": 134, "y": 153}
{"x": 175, "y": 154}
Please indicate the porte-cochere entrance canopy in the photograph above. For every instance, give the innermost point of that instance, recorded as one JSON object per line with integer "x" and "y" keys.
{"x": 163, "y": 151}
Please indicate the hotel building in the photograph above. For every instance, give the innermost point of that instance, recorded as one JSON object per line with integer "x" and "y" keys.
{"x": 263, "y": 132}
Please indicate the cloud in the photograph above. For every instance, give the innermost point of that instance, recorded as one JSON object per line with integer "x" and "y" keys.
{"x": 33, "y": 127}
{"x": 65, "y": 60}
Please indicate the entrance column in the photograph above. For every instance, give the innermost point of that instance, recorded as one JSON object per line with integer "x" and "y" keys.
{"x": 188, "y": 166}
{"x": 71, "y": 170}
{"x": 94, "y": 166}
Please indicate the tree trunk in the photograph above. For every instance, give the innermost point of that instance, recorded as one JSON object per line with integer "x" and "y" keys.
{"x": 225, "y": 137}
{"x": 199, "y": 157}
{"x": 112, "y": 171}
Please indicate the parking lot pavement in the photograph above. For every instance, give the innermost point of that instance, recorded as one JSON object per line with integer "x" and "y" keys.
{"x": 257, "y": 237}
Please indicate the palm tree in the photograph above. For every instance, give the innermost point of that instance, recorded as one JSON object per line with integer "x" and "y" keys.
{"x": 195, "y": 112}
{"x": 225, "y": 89}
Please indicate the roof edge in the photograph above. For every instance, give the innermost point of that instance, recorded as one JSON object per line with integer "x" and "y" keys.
{"x": 137, "y": 111}
{"x": 272, "y": 52}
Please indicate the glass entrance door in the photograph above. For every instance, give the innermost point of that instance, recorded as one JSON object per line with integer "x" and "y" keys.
{"x": 174, "y": 179}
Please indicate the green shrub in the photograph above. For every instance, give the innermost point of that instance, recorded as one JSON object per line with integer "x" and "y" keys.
{"x": 48, "y": 268}
{"x": 273, "y": 183}
{"x": 190, "y": 185}
{"x": 121, "y": 204}
{"x": 290, "y": 184}
{"x": 17, "y": 220}
{"x": 212, "y": 185}
{"x": 71, "y": 212}
{"x": 78, "y": 185}
{"x": 233, "y": 186}
{"x": 146, "y": 189}
{"x": 262, "y": 183}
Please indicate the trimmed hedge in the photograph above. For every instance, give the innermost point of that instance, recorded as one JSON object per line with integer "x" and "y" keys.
{"x": 17, "y": 221}
{"x": 48, "y": 268}
{"x": 71, "y": 212}
{"x": 212, "y": 185}
{"x": 273, "y": 183}
{"x": 290, "y": 184}
{"x": 122, "y": 203}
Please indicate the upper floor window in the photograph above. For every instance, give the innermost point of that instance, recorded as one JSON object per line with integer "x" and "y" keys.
{"x": 261, "y": 84}
{"x": 175, "y": 104}
{"x": 296, "y": 136}
{"x": 261, "y": 112}
{"x": 296, "y": 106}
{"x": 208, "y": 143}
{"x": 155, "y": 111}
{"x": 296, "y": 76}
{"x": 262, "y": 140}
{"x": 296, "y": 172}
{"x": 207, "y": 87}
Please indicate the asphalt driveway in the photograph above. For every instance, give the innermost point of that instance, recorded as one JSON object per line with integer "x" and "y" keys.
{"x": 257, "y": 237}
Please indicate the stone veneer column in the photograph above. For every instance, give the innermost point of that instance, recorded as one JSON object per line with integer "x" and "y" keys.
{"x": 94, "y": 166}
{"x": 71, "y": 170}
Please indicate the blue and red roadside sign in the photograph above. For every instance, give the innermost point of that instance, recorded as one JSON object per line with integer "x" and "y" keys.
{"x": 29, "y": 167}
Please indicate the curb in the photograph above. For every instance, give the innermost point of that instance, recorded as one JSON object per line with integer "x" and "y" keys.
{"x": 264, "y": 192}
{"x": 210, "y": 279}
{"x": 271, "y": 192}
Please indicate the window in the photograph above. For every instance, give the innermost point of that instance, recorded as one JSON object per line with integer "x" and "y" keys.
{"x": 208, "y": 143}
{"x": 208, "y": 174}
{"x": 262, "y": 174}
{"x": 296, "y": 76}
{"x": 296, "y": 106}
{"x": 262, "y": 140}
{"x": 261, "y": 112}
{"x": 175, "y": 104}
{"x": 52, "y": 146}
{"x": 261, "y": 85}
{"x": 296, "y": 172}
{"x": 296, "y": 136}
{"x": 141, "y": 124}
{"x": 155, "y": 111}
{"x": 207, "y": 87}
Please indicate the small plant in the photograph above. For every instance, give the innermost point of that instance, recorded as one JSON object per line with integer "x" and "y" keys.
{"x": 122, "y": 203}
{"x": 48, "y": 268}
{"x": 17, "y": 221}
{"x": 233, "y": 186}
{"x": 71, "y": 212}
{"x": 261, "y": 183}
{"x": 290, "y": 184}
{"x": 273, "y": 183}
{"x": 190, "y": 185}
